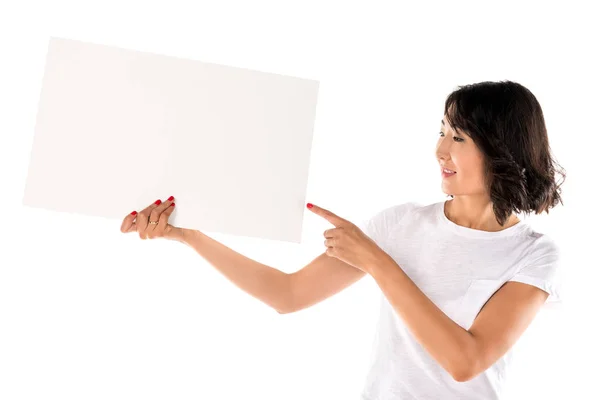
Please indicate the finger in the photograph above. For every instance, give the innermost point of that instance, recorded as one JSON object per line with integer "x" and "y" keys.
{"x": 164, "y": 218}
{"x": 328, "y": 215}
{"x": 329, "y": 233}
{"x": 158, "y": 210}
{"x": 128, "y": 222}
{"x": 132, "y": 228}
{"x": 142, "y": 219}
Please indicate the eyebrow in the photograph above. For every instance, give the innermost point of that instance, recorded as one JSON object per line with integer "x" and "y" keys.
{"x": 457, "y": 132}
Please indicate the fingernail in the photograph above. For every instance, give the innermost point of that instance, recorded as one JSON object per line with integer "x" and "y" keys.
{"x": 157, "y": 202}
{"x": 309, "y": 205}
{"x": 133, "y": 213}
{"x": 170, "y": 198}
{"x": 173, "y": 205}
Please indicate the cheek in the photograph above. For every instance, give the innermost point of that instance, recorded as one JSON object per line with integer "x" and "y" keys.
{"x": 470, "y": 168}
{"x": 476, "y": 174}
{"x": 467, "y": 159}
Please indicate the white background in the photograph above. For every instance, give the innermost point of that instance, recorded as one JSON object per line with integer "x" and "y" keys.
{"x": 89, "y": 313}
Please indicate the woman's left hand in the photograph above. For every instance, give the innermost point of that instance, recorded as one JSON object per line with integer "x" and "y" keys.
{"x": 348, "y": 243}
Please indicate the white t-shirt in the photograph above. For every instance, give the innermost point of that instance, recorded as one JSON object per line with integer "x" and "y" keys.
{"x": 459, "y": 269}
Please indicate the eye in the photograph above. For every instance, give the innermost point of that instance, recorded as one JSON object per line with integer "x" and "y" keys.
{"x": 455, "y": 137}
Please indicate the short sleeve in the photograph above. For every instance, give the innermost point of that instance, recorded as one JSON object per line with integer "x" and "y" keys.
{"x": 379, "y": 225}
{"x": 542, "y": 269}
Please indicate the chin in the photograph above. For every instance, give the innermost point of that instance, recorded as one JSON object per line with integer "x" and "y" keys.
{"x": 447, "y": 193}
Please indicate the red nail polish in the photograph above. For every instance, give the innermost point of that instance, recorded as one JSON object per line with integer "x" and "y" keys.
{"x": 173, "y": 205}
{"x": 309, "y": 205}
{"x": 157, "y": 202}
{"x": 170, "y": 198}
{"x": 133, "y": 213}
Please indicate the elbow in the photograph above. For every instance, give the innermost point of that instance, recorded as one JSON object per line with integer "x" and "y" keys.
{"x": 469, "y": 365}
{"x": 284, "y": 308}
{"x": 462, "y": 375}
{"x": 465, "y": 371}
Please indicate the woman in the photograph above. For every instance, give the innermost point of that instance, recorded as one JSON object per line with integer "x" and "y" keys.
{"x": 461, "y": 279}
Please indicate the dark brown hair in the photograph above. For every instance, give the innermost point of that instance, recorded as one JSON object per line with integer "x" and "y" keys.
{"x": 506, "y": 122}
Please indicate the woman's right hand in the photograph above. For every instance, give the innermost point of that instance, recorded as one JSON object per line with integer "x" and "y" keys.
{"x": 157, "y": 211}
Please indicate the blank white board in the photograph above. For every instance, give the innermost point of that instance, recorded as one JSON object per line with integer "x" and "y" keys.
{"x": 117, "y": 129}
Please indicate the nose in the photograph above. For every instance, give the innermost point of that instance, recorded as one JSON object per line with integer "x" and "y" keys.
{"x": 441, "y": 151}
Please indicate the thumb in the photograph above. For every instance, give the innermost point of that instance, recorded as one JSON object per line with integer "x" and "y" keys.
{"x": 171, "y": 232}
{"x": 128, "y": 225}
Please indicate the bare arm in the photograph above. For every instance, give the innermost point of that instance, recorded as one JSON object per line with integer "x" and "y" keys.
{"x": 321, "y": 278}
{"x": 269, "y": 285}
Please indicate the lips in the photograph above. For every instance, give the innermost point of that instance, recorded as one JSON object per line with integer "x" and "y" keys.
{"x": 448, "y": 171}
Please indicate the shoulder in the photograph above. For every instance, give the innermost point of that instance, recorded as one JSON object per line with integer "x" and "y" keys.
{"x": 540, "y": 245}
{"x": 394, "y": 213}
{"x": 544, "y": 244}
{"x": 401, "y": 208}
{"x": 381, "y": 221}
{"x": 540, "y": 265}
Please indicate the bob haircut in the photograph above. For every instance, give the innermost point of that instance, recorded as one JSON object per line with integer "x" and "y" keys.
{"x": 506, "y": 122}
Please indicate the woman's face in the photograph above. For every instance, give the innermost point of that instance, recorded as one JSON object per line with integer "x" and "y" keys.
{"x": 456, "y": 151}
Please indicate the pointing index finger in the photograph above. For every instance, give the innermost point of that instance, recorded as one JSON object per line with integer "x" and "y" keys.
{"x": 328, "y": 215}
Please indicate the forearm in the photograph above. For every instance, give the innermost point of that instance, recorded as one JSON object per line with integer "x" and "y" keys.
{"x": 446, "y": 341}
{"x": 262, "y": 282}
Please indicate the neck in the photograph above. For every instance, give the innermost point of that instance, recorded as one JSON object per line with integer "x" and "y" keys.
{"x": 476, "y": 212}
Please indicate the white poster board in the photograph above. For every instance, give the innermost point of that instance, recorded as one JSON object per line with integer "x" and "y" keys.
{"x": 117, "y": 129}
